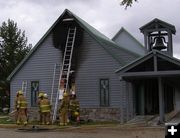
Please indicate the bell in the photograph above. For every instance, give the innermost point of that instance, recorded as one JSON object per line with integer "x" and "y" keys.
{"x": 159, "y": 44}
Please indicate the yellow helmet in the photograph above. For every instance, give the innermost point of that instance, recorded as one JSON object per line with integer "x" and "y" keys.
{"x": 65, "y": 94}
{"x": 20, "y": 92}
{"x": 76, "y": 113}
{"x": 41, "y": 94}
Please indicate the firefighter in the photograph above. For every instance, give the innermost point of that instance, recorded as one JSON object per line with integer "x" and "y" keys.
{"x": 22, "y": 108}
{"x": 40, "y": 97}
{"x": 45, "y": 109}
{"x": 74, "y": 109}
{"x": 64, "y": 107}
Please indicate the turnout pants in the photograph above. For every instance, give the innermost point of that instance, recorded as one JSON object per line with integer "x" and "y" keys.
{"x": 22, "y": 116}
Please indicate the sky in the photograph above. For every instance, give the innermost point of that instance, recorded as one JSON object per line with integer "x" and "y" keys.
{"x": 107, "y": 16}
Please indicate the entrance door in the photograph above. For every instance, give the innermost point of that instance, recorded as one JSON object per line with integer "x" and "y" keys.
{"x": 151, "y": 97}
{"x": 147, "y": 97}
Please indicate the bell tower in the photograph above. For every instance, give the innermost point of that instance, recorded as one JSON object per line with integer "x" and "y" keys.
{"x": 158, "y": 36}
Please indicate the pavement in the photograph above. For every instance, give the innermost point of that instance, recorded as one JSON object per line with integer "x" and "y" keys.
{"x": 108, "y": 130}
{"x": 91, "y": 131}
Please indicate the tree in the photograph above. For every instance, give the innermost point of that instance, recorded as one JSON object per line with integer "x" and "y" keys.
{"x": 127, "y": 3}
{"x": 13, "y": 48}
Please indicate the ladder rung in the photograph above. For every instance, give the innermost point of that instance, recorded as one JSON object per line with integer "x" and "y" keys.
{"x": 67, "y": 55}
{"x": 66, "y": 64}
{"x": 70, "y": 41}
{"x": 68, "y": 47}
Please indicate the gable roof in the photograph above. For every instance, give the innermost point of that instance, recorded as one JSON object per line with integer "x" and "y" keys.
{"x": 130, "y": 42}
{"x": 124, "y": 30}
{"x": 155, "y": 22}
{"x": 143, "y": 59}
{"x": 104, "y": 41}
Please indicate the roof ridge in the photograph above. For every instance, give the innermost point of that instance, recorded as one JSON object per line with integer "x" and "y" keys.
{"x": 100, "y": 35}
{"x": 132, "y": 62}
{"x": 124, "y": 29}
{"x": 94, "y": 33}
{"x": 156, "y": 20}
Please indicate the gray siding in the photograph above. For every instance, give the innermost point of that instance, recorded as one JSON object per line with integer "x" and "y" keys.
{"x": 39, "y": 67}
{"x": 95, "y": 64}
{"x": 127, "y": 42}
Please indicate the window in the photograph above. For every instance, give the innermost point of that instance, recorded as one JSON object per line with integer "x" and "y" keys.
{"x": 104, "y": 92}
{"x": 34, "y": 92}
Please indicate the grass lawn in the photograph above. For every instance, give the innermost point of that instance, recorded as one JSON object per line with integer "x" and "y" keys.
{"x": 5, "y": 120}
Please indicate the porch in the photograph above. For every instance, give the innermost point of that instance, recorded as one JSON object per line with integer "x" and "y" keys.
{"x": 155, "y": 80}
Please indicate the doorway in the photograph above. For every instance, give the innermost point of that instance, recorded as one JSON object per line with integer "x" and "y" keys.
{"x": 147, "y": 97}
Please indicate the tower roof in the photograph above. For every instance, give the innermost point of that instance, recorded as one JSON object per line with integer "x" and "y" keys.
{"x": 157, "y": 24}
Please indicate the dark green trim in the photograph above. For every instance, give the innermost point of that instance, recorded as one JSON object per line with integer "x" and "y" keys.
{"x": 104, "y": 41}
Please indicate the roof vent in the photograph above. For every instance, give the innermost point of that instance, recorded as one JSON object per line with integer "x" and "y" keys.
{"x": 68, "y": 19}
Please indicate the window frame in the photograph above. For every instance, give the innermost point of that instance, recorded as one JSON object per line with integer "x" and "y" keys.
{"x": 106, "y": 92}
{"x": 34, "y": 99}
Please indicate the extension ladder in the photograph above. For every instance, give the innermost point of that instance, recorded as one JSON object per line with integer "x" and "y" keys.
{"x": 66, "y": 66}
